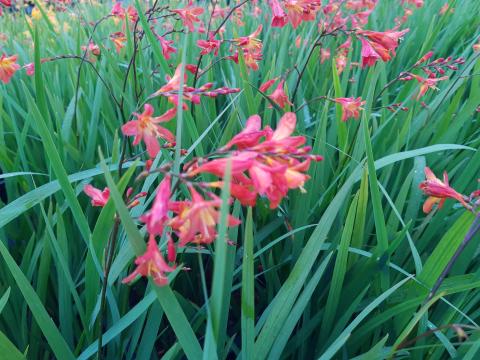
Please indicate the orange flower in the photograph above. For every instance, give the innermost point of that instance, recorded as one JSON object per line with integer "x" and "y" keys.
{"x": 118, "y": 40}
{"x": 189, "y": 16}
{"x": 173, "y": 83}
{"x": 99, "y": 197}
{"x": 146, "y": 128}
{"x": 158, "y": 214}
{"x": 427, "y": 83}
{"x": 197, "y": 219}
{"x": 152, "y": 264}
{"x": 279, "y": 18}
{"x": 8, "y": 67}
{"x": 274, "y": 165}
{"x": 279, "y": 97}
{"x": 350, "y": 107}
{"x": 379, "y": 45}
{"x": 438, "y": 191}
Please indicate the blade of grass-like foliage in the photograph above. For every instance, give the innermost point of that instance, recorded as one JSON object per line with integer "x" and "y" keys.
{"x": 339, "y": 271}
{"x": 100, "y": 235}
{"x": 248, "y": 291}
{"x": 218, "y": 306}
{"x": 4, "y": 299}
{"x": 9, "y": 351}
{"x": 50, "y": 331}
{"x": 20, "y": 205}
{"x": 128, "y": 319}
{"x": 378, "y": 215}
{"x": 285, "y": 298}
{"x": 343, "y": 337}
{"x": 298, "y": 309}
{"x": 416, "y": 318}
{"x": 22, "y": 173}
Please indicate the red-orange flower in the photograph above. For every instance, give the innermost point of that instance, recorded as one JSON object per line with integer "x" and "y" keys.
{"x": 152, "y": 264}
{"x": 189, "y": 16}
{"x": 146, "y": 128}
{"x": 209, "y": 45}
{"x": 350, "y": 107}
{"x": 119, "y": 39}
{"x": 8, "y": 67}
{"x": 99, "y": 197}
{"x": 379, "y": 45}
{"x": 197, "y": 219}
{"x": 279, "y": 18}
{"x": 270, "y": 167}
{"x": 427, "y": 83}
{"x": 279, "y": 97}
{"x": 158, "y": 214}
{"x": 438, "y": 191}
{"x": 167, "y": 47}
{"x": 173, "y": 83}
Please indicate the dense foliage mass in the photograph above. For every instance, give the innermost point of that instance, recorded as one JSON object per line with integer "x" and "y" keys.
{"x": 239, "y": 179}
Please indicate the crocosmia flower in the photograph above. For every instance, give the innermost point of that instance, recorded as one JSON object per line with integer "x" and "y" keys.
{"x": 279, "y": 18}
{"x": 427, "y": 83}
{"x": 267, "y": 162}
{"x": 119, "y": 39}
{"x": 189, "y": 16}
{"x": 350, "y": 107}
{"x": 99, "y": 197}
{"x": 167, "y": 47}
{"x": 8, "y": 67}
{"x": 196, "y": 219}
{"x": 379, "y": 45}
{"x": 438, "y": 191}
{"x": 146, "y": 128}
{"x": 279, "y": 97}
{"x": 158, "y": 214}
{"x": 151, "y": 264}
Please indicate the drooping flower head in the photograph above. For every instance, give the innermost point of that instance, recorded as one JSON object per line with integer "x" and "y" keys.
{"x": 427, "y": 83}
{"x": 8, "y": 67}
{"x": 196, "y": 219}
{"x": 167, "y": 47}
{"x": 438, "y": 191}
{"x": 151, "y": 264}
{"x": 267, "y": 162}
{"x": 99, "y": 197}
{"x": 119, "y": 39}
{"x": 350, "y": 107}
{"x": 279, "y": 17}
{"x": 189, "y": 16}
{"x": 379, "y": 45}
{"x": 158, "y": 214}
{"x": 145, "y": 127}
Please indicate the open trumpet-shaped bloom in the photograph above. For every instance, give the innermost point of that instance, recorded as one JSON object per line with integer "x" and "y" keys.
{"x": 151, "y": 264}
{"x": 99, "y": 197}
{"x": 269, "y": 168}
{"x": 350, "y": 107}
{"x": 146, "y": 128}
{"x": 379, "y": 45}
{"x": 196, "y": 219}
{"x": 279, "y": 97}
{"x": 189, "y": 16}
{"x": 438, "y": 191}
{"x": 158, "y": 214}
{"x": 427, "y": 83}
{"x": 8, "y": 67}
{"x": 279, "y": 17}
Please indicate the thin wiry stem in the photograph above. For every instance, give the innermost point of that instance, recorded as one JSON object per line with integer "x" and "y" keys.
{"x": 474, "y": 228}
